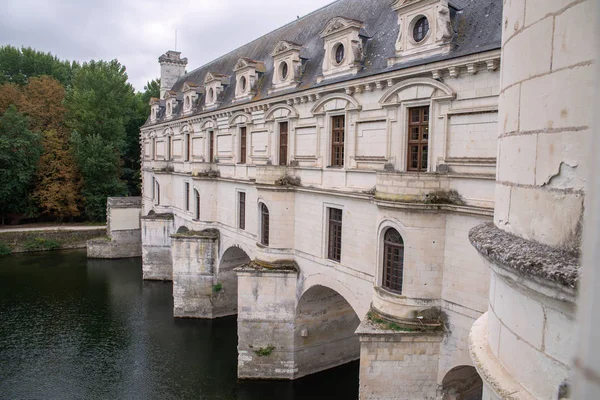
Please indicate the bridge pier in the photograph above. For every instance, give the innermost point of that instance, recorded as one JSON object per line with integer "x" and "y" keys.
{"x": 287, "y": 335}
{"x": 194, "y": 256}
{"x": 266, "y": 312}
{"x": 157, "y": 262}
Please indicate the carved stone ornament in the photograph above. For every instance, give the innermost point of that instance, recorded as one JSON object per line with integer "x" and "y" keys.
{"x": 444, "y": 25}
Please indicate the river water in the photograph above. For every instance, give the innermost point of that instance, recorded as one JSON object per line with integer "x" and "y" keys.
{"x": 72, "y": 328}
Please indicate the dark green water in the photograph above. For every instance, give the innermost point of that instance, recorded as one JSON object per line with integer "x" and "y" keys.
{"x": 72, "y": 328}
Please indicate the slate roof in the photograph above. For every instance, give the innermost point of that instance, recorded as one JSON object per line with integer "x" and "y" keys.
{"x": 477, "y": 25}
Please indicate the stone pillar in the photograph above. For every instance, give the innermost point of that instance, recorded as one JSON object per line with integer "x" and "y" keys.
{"x": 157, "y": 263}
{"x": 524, "y": 343}
{"x": 266, "y": 313}
{"x": 194, "y": 283}
{"x": 124, "y": 237}
{"x": 396, "y": 361}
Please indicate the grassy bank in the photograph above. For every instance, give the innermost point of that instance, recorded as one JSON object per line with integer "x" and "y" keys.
{"x": 47, "y": 240}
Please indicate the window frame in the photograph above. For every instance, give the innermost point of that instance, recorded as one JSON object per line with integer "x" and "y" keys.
{"x": 386, "y": 267}
{"x": 264, "y": 231}
{"x": 331, "y": 118}
{"x": 284, "y": 161}
{"x": 197, "y": 204}
{"x": 334, "y": 253}
{"x": 211, "y": 146}
{"x": 243, "y": 144}
{"x": 241, "y": 209}
{"x": 186, "y": 191}
{"x": 188, "y": 147}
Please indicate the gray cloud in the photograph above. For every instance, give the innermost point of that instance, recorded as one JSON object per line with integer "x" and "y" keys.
{"x": 137, "y": 32}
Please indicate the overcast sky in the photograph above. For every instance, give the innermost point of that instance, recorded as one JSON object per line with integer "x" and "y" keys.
{"x": 137, "y": 32}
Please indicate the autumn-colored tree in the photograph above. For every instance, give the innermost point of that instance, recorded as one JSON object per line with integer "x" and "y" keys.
{"x": 42, "y": 102}
{"x": 10, "y": 95}
{"x": 56, "y": 181}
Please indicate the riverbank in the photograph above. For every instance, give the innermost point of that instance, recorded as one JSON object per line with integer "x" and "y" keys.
{"x": 46, "y": 238}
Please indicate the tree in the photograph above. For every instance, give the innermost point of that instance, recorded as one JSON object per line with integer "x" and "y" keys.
{"x": 42, "y": 102}
{"x": 10, "y": 95}
{"x": 56, "y": 189}
{"x": 19, "y": 65}
{"x": 98, "y": 161}
{"x": 20, "y": 149}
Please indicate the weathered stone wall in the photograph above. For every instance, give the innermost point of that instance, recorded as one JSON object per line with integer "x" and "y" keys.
{"x": 545, "y": 119}
{"x": 21, "y": 242}
{"x": 123, "y": 230}
{"x": 157, "y": 263}
{"x": 398, "y": 365}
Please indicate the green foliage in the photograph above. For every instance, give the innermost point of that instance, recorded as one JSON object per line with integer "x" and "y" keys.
{"x": 18, "y": 65}
{"x": 388, "y": 325}
{"x": 264, "y": 351}
{"x": 20, "y": 150}
{"x": 4, "y": 249}
{"x": 218, "y": 287}
{"x": 100, "y": 101}
{"x": 40, "y": 244}
{"x": 98, "y": 161}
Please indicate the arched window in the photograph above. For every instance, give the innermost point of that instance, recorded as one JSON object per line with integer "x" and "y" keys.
{"x": 197, "y": 203}
{"x": 157, "y": 194}
{"x": 393, "y": 261}
{"x": 264, "y": 224}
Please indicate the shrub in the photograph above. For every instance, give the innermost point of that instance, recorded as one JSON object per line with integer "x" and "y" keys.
{"x": 4, "y": 249}
{"x": 39, "y": 244}
{"x": 264, "y": 351}
{"x": 217, "y": 288}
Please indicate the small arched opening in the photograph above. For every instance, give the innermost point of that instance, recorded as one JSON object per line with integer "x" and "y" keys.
{"x": 225, "y": 288}
{"x": 324, "y": 331}
{"x": 462, "y": 383}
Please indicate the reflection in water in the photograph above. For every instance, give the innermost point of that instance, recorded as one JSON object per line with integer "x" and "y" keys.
{"x": 73, "y": 328}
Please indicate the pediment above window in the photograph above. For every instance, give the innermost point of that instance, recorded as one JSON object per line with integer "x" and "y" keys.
{"x": 339, "y": 24}
{"x": 214, "y": 85}
{"x": 170, "y": 104}
{"x": 216, "y": 77}
{"x": 284, "y": 46}
{"x": 191, "y": 93}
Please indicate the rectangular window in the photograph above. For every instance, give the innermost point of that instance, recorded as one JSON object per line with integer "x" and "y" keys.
{"x": 418, "y": 138}
{"x": 334, "y": 248}
{"x": 242, "y": 210}
{"x": 211, "y": 145}
{"x": 154, "y": 149}
{"x": 169, "y": 144}
{"x": 337, "y": 140}
{"x": 243, "y": 145}
{"x": 187, "y": 196}
{"x": 283, "y": 143}
{"x": 153, "y": 188}
{"x": 188, "y": 147}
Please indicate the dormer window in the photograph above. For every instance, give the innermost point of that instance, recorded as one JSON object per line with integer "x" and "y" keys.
{"x": 343, "y": 41}
{"x": 169, "y": 109}
{"x": 248, "y": 73}
{"x": 425, "y": 29}
{"x": 170, "y": 102}
{"x": 154, "y": 107}
{"x": 191, "y": 92}
{"x": 288, "y": 65}
{"x": 215, "y": 85}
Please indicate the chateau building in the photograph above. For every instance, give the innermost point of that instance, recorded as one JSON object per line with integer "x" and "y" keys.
{"x": 359, "y": 183}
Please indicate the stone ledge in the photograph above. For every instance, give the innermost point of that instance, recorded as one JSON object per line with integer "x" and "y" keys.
{"x": 124, "y": 202}
{"x": 525, "y": 257}
{"x": 288, "y": 266}
{"x": 154, "y": 216}
{"x": 184, "y": 233}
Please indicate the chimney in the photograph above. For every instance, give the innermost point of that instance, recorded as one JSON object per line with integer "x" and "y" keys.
{"x": 172, "y": 67}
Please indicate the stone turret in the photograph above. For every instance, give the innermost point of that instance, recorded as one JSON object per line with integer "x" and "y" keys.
{"x": 172, "y": 67}
{"x": 524, "y": 344}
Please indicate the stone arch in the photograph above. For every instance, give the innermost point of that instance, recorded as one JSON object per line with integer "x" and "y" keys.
{"x": 430, "y": 88}
{"x": 462, "y": 383}
{"x": 271, "y": 115}
{"x": 324, "y": 331}
{"x": 337, "y": 286}
{"x": 208, "y": 124}
{"x": 225, "y": 289}
{"x": 240, "y": 117}
{"x": 335, "y": 101}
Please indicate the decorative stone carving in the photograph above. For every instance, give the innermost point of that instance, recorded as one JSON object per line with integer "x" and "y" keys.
{"x": 248, "y": 73}
{"x": 287, "y": 66}
{"x": 343, "y": 47}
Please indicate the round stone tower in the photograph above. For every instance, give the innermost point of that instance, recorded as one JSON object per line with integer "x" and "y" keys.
{"x": 523, "y": 345}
